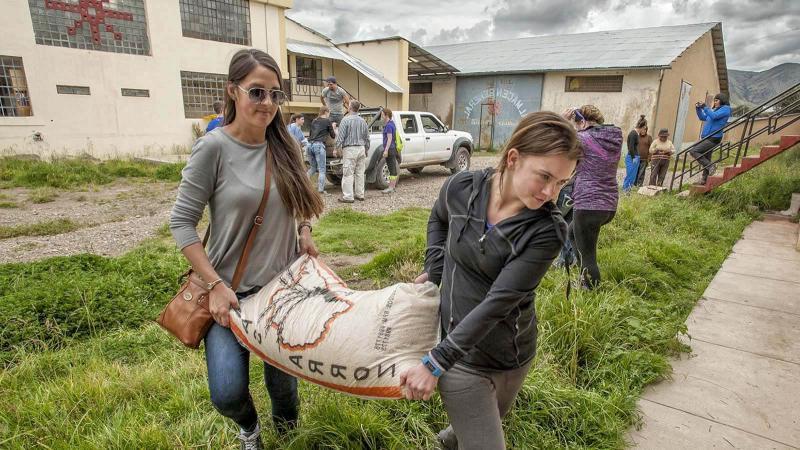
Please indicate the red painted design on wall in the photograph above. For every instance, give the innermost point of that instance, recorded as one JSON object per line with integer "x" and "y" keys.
{"x": 94, "y": 13}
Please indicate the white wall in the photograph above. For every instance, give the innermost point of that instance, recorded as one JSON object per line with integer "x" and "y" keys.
{"x": 441, "y": 101}
{"x": 105, "y": 123}
{"x": 638, "y": 96}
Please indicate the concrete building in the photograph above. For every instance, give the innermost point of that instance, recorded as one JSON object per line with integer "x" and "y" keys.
{"x": 659, "y": 72}
{"x": 312, "y": 57}
{"x": 122, "y": 77}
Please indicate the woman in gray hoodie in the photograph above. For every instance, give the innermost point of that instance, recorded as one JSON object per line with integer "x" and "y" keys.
{"x": 492, "y": 235}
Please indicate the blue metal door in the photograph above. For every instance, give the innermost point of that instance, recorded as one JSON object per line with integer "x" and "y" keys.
{"x": 489, "y": 107}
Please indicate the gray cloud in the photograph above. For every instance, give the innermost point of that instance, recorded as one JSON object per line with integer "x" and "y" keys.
{"x": 748, "y": 25}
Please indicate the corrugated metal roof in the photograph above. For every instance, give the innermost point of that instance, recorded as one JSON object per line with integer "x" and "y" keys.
{"x": 638, "y": 48}
{"x": 330, "y": 52}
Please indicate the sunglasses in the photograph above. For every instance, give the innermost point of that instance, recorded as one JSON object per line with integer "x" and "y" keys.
{"x": 257, "y": 95}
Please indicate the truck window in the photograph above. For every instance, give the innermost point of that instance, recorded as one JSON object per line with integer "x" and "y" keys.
{"x": 431, "y": 125}
{"x": 409, "y": 124}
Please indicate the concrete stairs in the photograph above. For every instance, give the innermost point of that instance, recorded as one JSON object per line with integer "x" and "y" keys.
{"x": 747, "y": 163}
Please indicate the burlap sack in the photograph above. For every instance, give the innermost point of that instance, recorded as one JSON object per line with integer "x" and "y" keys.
{"x": 307, "y": 323}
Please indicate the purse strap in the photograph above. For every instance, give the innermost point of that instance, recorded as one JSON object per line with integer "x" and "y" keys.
{"x": 257, "y": 221}
{"x": 251, "y": 236}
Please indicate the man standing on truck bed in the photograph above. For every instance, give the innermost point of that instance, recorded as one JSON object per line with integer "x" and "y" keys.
{"x": 353, "y": 139}
{"x": 335, "y": 98}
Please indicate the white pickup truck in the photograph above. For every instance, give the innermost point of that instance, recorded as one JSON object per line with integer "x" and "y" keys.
{"x": 426, "y": 142}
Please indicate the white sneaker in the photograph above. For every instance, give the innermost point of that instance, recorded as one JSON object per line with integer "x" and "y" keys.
{"x": 388, "y": 190}
{"x": 251, "y": 440}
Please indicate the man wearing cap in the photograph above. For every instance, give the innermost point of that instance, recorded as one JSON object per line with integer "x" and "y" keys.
{"x": 335, "y": 98}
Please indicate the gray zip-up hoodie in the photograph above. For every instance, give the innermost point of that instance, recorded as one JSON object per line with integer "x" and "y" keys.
{"x": 488, "y": 278}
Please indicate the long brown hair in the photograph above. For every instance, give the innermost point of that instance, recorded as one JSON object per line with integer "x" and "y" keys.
{"x": 542, "y": 133}
{"x": 300, "y": 198}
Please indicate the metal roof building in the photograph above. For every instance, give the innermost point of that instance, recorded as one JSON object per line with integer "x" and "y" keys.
{"x": 624, "y": 72}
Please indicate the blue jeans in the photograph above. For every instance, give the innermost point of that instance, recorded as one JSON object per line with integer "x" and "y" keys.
{"x": 229, "y": 378}
{"x": 631, "y": 172}
{"x": 316, "y": 156}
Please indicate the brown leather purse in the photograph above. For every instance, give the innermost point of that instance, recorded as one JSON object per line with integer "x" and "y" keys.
{"x": 187, "y": 315}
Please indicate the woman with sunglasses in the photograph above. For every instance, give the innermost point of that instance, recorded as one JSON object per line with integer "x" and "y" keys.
{"x": 226, "y": 172}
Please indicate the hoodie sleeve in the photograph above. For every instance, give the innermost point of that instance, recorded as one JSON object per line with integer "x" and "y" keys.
{"x": 701, "y": 114}
{"x": 516, "y": 282}
{"x": 438, "y": 226}
{"x": 720, "y": 113}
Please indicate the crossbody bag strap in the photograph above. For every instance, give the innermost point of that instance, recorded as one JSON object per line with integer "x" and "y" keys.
{"x": 257, "y": 221}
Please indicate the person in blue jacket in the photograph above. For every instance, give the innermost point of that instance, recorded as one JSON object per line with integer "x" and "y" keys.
{"x": 715, "y": 119}
{"x": 216, "y": 121}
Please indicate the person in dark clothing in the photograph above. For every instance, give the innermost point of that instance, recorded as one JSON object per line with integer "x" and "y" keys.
{"x": 632, "y": 162}
{"x": 492, "y": 235}
{"x": 321, "y": 128}
{"x": 595, "y": 194}
{"x": 567, "y": 256}
{"x": 715, "y": 119}
{"x": 643, "y": 148}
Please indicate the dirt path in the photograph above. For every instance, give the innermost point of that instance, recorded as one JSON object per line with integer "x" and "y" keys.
{"x": 116, "y": 218}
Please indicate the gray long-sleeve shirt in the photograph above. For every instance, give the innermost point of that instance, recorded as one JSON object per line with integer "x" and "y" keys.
{"x": 352, "y": 131}
{"x": 228, "y": 176}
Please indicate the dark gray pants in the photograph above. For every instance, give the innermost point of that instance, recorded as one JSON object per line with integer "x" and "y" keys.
{"x": 476, "y": 404}
{"x": 703, "y": 154}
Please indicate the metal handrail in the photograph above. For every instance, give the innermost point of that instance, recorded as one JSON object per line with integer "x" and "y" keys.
{"x": 303, "y": 88}
{"x": 742, "y": 146}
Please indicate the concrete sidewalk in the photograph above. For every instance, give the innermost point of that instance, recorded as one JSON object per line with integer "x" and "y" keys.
{"x": 740, "y": 387}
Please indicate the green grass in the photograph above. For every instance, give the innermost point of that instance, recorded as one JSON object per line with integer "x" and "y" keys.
{"x": 47, "y": 228}
{"x": 7, "y": 202}
{"x": 42, "y": 195}
{"x": 350, "y": 232}
{"x": 77, "y": 173}
{"x": 90, "y": 375}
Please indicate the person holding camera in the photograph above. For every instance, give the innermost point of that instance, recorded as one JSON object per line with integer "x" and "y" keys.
{"x": 715, "y": 118}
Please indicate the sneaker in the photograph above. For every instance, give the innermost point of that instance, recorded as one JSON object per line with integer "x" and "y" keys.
{"x": 387, "y": 191}
{"x": 324, "y": 193}
{"x": 251, "y": 440}
{"x": 712, "y": 169}
{"x": 361, "y": 199}
{"x": 345, "y": 200}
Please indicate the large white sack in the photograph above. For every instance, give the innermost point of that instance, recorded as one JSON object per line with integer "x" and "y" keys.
{"x": 308, "y": 323}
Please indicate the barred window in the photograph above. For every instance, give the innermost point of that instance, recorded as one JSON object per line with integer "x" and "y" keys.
{"x": 421, "y": 88}
{"x": 217, "y": 20}
{"x": 309, "y": 71}
{"x": 606, "y": 83}
{"x": 118, "y": 26}
{"x": 126, "y": 92}
{"x": 200, "y": 91}
{"x": 15, "y": 100}
{"x": 73, "y": 90}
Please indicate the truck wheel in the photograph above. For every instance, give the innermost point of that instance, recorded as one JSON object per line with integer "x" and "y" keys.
{"x": 382, "y": 177}
{"x": 461, "y": 161}
{"x": 334, "y": 179}
{"x": 415, "y": 170}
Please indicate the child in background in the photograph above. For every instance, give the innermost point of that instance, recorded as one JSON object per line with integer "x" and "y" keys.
{"x": 660, "y": 152}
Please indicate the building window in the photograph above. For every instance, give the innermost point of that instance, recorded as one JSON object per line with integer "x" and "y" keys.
{"x": 421, "y": 88}
{"x": 309, "y": 71}
{"x": 200, "y": 91}
{"x": 135, "y": 92}
{"x": 217, "y": 20}
{"x": 609, "y": 83}
{"x": 73, "y": 90}
{"x": 118, "y": 26}
{"x": 14, "y": 98}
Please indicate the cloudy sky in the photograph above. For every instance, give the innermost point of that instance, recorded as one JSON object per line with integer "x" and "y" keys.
{"x": 759, "y": 34}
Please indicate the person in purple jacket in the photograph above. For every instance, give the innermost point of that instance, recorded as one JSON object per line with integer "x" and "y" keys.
{"x": 595, "y": 193}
